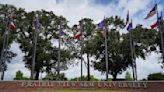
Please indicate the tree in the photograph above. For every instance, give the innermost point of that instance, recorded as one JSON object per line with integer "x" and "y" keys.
{"x": 19, "y": 76}
{"x": 88, "y": 28}
{"x": 84, "y": 44}
{"x": 117, "y": 59}
{"x": 118, "y": 46}
{"x": 52, "y": 76}
{"x": 92, "y": 78}
{"x": 85, "y": 78}
{"x": 46, "y": 53}
{"x": 156, "y": 76}
{"x": 146, "y": 41}
{"x": 128, "y": 76}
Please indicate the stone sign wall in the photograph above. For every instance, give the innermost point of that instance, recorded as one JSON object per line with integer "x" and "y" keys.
{"x": 27, "y": 86}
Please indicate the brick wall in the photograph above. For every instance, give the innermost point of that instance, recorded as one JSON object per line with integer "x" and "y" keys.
{"x": 28, "y": 86}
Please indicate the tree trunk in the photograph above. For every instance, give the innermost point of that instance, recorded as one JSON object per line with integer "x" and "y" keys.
{"x": 89, "y": 78}
{"x": 37, "y": 74}
{"x": 114, "y": 76}
{"x": 2, "y": 75}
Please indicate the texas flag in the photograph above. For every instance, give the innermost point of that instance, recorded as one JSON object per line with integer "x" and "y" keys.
{"x": 152, "y": 12}
{"x": 154, "y": 25}
{"x": 12, "y": 26}
{"x": 77, "y": 35}
{"x": 11, "y": 23}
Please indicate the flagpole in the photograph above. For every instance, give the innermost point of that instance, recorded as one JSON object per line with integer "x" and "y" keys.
{"x": 2, "y": 56}
{"x": 135, "y": 65}
{"x": 34, "y": 52}
{"x": 59, "y": 52}
{"x": 5, "y": 46}
{"x": 132, "y": 52}
{"x": 2, "y": 51}
{"x": 162, "y": 45}
{"x": 134, "y": 57}
{"x": 81, "y": 53}
{"x": 160, "y": 27}
{"x": 106, "y": 51}
{"x": 131, "y": 48}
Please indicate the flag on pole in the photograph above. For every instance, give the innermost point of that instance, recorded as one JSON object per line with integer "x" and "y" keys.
{"x": 61, "y": 32}
{"x": 130, "y": 26}
{"x": 127, "y": 19}
{"x": 152, "y": 12}
{"x": 12, "y": 26}
{"x": 77, "y": 35}
{"x": 36, "y": 24}
{"x": 101, "y": 24}
{"x": 154, "y": 25}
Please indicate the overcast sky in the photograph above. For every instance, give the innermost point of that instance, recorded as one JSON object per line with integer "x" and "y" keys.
{"x": 74, "y": 10}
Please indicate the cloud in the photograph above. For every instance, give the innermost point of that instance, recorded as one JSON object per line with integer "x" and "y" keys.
{"x": 13, "y": 68}
{"x": 74, "y": 10}
{"x": 148, "y": 66}
{"x": 16, "y": 64}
